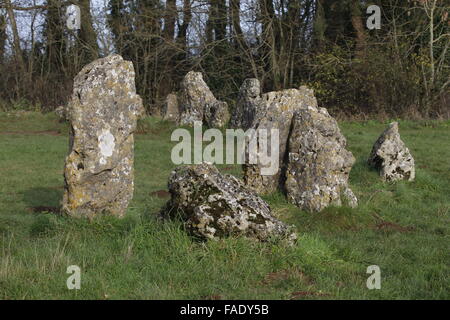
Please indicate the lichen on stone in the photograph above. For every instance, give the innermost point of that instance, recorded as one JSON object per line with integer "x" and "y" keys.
{"x": 103, "y": 113}
{"x": 213, "y": 205}
{"x": 391, "y": 157}
{"x": 318, "y": 164}
{"x": 196, "y": 102}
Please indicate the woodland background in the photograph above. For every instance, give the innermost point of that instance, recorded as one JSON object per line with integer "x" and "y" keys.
{"x": 400, "y": 70}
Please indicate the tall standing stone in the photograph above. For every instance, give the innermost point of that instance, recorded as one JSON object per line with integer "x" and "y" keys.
{"x": 279, "y": 109}
{"x": 103, "y": 112}
{"x": 391, "y": 157}
{"x": 318, "y": 164}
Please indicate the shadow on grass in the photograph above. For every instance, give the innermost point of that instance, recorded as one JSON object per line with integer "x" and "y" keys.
{"x": 43, "y": 199}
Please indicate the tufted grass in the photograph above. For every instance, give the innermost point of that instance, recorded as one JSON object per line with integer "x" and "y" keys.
{"x": 403, "y": 228}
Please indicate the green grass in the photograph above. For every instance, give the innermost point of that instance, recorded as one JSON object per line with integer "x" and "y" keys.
{"x": 402, "y": 227}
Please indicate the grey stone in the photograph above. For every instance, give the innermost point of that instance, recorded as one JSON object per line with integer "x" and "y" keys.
{"x": 391, "y": 157}
{"x": 216, "y": 114}
{"x": 197, "y": 103}
{"x": 62, "y": 113}
{"x": 318, "y": 163}
{"x": 278, "y": 112}
{"x": 170, "y": 109}
{"x": 103, "y": 112}
{"x": 248, "y": 106}
{"x": 214, "y": 205}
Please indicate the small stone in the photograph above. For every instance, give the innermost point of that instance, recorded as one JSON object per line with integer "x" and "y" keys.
{"x": 391, "y": 157}
{"x": 214, "y": 206}
{"x": 318, "y": 163}
{"x": 170, "y": 109}
{"x": 103, "y": 113}
{"x": 61, "y": 113}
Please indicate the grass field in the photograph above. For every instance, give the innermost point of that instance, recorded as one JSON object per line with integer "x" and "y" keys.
{"x": 403, "y": 228}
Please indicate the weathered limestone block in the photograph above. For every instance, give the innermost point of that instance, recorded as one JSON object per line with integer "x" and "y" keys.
{"x": 170, "y": 109}
{"x": 248, "y": 106}
{"x": 391, "y": 157}
{"x": 318, "y": 163}
{"x": 197, "y": 103}
{"x": 103, "y": 112}
{"x": 279, "y": 110}
{"x": 215, "y": 206}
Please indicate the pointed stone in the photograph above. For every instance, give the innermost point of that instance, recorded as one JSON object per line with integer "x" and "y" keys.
{"x": 197, "y": 103}
{"x": 391, "y": 157}
{"x": 318, "y": 163}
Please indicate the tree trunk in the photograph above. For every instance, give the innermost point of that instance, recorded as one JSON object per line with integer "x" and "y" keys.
{"x": 235, "y": 18}
{"x": 2, "y": 37}
{"x": 16, "y": 39}
{"x": 87, "y": 37}
{"x": 358, "y": 25}
{"x": 55, "y": 40}
{"x": 182, "y": 32}
{"x": 169, "y": 19}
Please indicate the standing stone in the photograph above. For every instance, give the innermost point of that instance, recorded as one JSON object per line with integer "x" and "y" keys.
{"x": 318, "y": 163}
{"x": 214, "y": 206}
{"x": 391, "y": 157}
{"x": 197, "y": 103}
{"x": 103, "y": 112}
{"x": 248, "y": 105}
{"x": 216, "y": 115}
{"x": 170, "y": 109}
{"x": 279, "y": 110}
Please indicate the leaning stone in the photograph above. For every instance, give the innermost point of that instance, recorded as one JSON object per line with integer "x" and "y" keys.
{"x": 248, "y": 106}
{"x": 196, "y": 99}
{"x": 170, "y": 109}
{"x": 318, "y": 163}
{"x": 103, "y": 112}
{"x": 279, "y": 110}
{"x": 216, "y": 206}
{"x": 391, "y": 157}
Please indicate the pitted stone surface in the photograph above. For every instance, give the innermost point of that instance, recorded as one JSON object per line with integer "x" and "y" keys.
{"x": 318, "y": 163}
{"x": 215, "y": 206}
{"x": 197, "y": 103}
{"x": 278, "y": 112}
{"x": 391, "y": 157}
{"x": 103, "y": 112}
{"x": 248, "y": 106}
